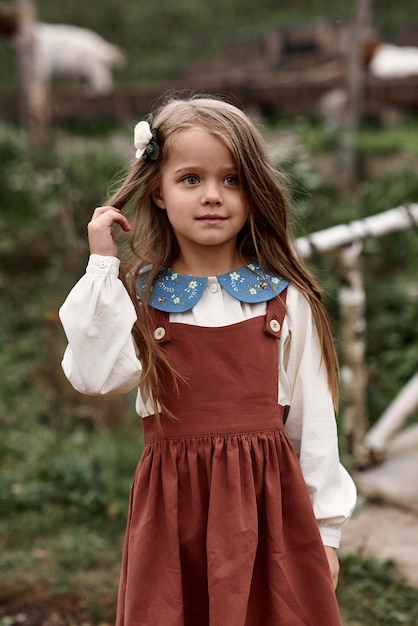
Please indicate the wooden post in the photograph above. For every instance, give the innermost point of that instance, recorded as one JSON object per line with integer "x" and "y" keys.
{"x": 34, "y": 101}
{"x": 355, "y": 91}
{"x": 353, "y": 370}
{"x": 395, "y": 415}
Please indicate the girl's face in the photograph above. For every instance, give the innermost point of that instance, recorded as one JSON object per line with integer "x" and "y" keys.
{"x": 203, "y": 198}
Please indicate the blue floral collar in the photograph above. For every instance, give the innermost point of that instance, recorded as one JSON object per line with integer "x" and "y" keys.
{"x": 176, "y": 293}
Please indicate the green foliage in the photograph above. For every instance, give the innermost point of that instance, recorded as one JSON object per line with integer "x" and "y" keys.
{"x": 42, "y": 250}
{"x": 86, "y": 473}
{"x": 371, "y": 138}
{"x": 392, "y": 336}
{"x": 401, "y": 139}
{"x": 63, "y": 502}
{"x": 372, "y": 593}
{"x": 389, "y": 262}
{"x": 66, "y": 464}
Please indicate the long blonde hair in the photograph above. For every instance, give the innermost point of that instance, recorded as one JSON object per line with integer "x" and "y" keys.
{"x": 265, "y": 236}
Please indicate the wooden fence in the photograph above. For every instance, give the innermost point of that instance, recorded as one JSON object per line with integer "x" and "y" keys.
{"x": 348, "y": 239}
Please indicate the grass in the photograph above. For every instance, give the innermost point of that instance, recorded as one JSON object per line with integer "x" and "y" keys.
{"x": 64, "y": 500}
{"x": 372, "y": 139}
{"x": 372, "y": 593}
{"x": 401, "y": 138}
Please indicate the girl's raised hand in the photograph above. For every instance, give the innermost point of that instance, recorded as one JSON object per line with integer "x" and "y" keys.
{"x": 100, "y": 231}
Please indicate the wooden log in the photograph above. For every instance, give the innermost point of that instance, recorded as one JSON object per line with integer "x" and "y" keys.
{"x": 352, "y": 299}
{"x": 355, "y": 93}
{"x": 395, "y": 415}
{"x": 400, "y": 218}
{"x": 34, "y": 107}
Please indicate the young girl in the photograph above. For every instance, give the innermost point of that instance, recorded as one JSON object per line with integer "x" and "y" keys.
{"x": 239, "y": 497}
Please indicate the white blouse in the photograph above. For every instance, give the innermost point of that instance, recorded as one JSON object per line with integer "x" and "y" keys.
{"x": 100, "y": 358}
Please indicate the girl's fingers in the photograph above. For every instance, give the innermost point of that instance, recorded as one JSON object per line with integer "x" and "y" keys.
{"x": 107, "y": 215}
{"x": 100, "y": 210}
{"x": 101, "y": 236}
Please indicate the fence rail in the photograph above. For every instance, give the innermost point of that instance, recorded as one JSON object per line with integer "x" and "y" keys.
{"x": 400, "y": 218}
{"x": 348, "y": 239}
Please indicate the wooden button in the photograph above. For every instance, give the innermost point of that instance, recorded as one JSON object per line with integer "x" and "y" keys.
{"x": 159, "y": 333}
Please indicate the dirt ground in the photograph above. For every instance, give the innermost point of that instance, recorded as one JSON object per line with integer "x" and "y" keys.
{"x": 388, "y": 530}
{"x": 386, "y": 533}
{"x": 39, "y": 608}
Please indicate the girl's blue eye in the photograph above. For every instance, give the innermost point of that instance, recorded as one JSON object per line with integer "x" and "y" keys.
{"x": 191, "y": 179}
{"x": 231, "y": 180}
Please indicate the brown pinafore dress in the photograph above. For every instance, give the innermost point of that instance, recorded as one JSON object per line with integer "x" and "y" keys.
{"x": 221, "y": 530}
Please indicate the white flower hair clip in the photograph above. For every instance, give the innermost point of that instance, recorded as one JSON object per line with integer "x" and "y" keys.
{"x": 145, "y": 142}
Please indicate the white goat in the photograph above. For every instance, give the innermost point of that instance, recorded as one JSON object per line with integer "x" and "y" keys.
{"x": 61, "y": 50}
{"x": 390, "y": 61}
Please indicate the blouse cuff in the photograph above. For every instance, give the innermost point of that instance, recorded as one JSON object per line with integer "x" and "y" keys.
{"x": 330, "y": 536}
{"x": 105, "y": 265}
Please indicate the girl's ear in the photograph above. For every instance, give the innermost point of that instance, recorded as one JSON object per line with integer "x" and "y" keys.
{"x": 158, "y": 198}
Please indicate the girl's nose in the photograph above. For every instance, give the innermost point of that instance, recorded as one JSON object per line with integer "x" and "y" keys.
{"x": 211, "y": 196}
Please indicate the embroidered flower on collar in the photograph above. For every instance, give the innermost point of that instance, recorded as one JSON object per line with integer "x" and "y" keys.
{"x": 175, "y": 293}
{"x": 145, "y": 142}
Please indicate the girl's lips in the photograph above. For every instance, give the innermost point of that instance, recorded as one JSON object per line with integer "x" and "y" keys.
{"x": 211, "y": 218}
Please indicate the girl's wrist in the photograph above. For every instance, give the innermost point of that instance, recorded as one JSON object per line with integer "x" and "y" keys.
{"x": 103, "y": 264}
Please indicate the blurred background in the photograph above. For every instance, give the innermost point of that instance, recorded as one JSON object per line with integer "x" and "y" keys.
{"x": 334, "y": 88}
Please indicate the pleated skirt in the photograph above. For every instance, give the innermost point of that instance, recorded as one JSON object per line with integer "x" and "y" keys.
{"x": 221, "y": 532}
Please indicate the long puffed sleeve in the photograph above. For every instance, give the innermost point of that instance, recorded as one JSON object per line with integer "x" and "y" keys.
{"x": 311, "y": 425}
{"x": 97, "y": 318}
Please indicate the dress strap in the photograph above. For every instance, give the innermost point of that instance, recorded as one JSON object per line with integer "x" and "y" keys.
{"x": 161, "y": 324}
{"x": 276, "y": 311}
